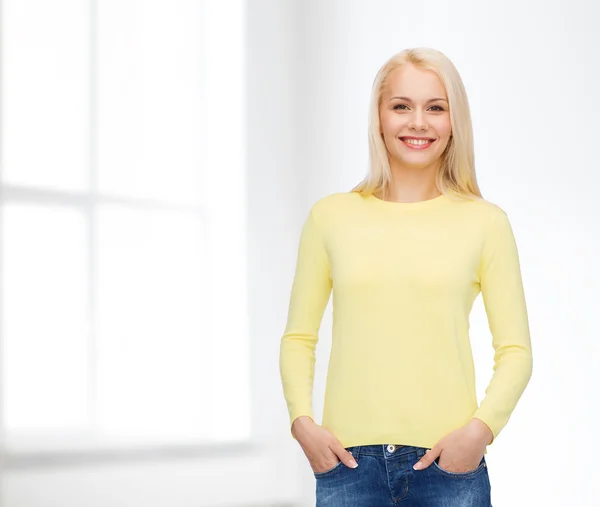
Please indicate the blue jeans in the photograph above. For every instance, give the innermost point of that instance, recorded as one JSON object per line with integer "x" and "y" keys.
{"x": 385, "y": 478}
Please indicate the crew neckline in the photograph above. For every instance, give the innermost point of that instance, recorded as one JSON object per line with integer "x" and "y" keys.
{"x": 416, "y": 205}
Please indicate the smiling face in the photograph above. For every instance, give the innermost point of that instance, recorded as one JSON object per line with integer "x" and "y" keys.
{"x": 414, "y": 105}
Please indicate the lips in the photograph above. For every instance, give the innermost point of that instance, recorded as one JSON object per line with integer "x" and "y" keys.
{"x": 420, "y": 146}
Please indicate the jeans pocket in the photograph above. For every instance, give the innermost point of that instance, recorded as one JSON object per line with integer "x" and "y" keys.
{"x": 482, "y": 466}
{"x": 333, "y": 469}
{"x": 338, "y": 466}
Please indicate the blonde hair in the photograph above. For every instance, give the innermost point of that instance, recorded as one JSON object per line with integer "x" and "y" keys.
{"x": 457, "y": 168}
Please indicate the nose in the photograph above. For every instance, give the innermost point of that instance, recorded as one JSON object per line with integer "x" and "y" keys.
{"x": 418, "y": 121}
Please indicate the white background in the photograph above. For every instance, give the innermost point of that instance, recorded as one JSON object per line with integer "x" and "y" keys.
{"x": 531, "y": 74}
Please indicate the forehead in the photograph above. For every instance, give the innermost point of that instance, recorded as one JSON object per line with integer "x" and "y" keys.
{"x": 410, "y": 81}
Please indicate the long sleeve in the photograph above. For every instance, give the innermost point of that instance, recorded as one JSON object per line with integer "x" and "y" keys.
{"x": 310, "y": 294}
{"x": 504, "y": 300}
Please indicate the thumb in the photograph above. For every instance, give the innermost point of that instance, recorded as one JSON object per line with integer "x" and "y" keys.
{"x": 428, "y": 458}
{"x": 344, "y": 455}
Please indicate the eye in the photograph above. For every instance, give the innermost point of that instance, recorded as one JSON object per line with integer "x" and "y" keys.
{"x": 439, "y": 108}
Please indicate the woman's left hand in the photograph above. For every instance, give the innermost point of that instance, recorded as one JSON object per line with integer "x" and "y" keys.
{"x": 461, "y": 450}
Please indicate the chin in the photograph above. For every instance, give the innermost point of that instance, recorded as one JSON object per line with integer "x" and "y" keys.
{"x": 417, "y": 161}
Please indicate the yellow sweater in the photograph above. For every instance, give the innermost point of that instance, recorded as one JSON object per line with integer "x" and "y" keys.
{"x": 404, "y": 277}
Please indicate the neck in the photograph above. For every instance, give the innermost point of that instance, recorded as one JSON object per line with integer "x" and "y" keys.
{"x": 412, "y": 184}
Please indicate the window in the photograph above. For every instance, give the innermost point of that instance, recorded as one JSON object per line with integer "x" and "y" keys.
{"x": 122, "y": 224}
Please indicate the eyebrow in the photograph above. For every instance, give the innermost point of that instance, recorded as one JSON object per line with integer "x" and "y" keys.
{"x": 410, "y": 100}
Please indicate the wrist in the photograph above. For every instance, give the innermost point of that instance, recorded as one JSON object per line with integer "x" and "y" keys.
{"x": 301, "y": 423}
{"x": 482, "y": 430}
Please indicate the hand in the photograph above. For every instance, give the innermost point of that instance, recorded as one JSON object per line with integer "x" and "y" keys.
{"x": 320, "y": 446}
{"x": 461, "y": 450}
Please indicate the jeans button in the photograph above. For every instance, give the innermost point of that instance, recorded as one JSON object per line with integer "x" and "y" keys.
{"x": 391, "y": 448}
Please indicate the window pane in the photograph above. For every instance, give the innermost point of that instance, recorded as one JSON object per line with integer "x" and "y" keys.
{"x": 45, "y": 93}
{"x": 149, "y": 98}
{"x": 225, "y": 197}
{"x": 44, "y": 321}
{"x": 154, "y": 325}
{"x": 165, "y": 356}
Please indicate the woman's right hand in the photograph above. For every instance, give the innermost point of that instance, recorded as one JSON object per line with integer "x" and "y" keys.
{"x": 322, "y": 449}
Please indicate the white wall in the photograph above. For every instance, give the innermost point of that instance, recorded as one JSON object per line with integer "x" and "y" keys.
{"x": 531, "y": 73}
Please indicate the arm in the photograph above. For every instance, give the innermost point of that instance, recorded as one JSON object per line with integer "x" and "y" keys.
{"x": 310, "y": 294}
{"x": 504, "y": 300}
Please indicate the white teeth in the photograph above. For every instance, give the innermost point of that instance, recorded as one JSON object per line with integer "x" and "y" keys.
{"x": 416, "y": 141}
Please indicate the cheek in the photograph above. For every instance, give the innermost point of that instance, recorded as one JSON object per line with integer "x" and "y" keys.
{"x": 443, "y": 127}
{"x": 389, "y": 122}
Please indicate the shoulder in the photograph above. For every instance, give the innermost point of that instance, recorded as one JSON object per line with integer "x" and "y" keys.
{"x": 481, "y": 218}
{"x": 491, "y": 208}
{"x": 335, "y": 204}
{"x": 495, "y": 224}
{"x": 488, "y": 211}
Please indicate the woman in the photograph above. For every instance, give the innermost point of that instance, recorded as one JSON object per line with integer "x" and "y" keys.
{"x": 406, "y": 252}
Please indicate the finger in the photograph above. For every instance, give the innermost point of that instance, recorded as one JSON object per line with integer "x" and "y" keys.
{"x": 344, "y": 455}
{"x": 428, "y": 458}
